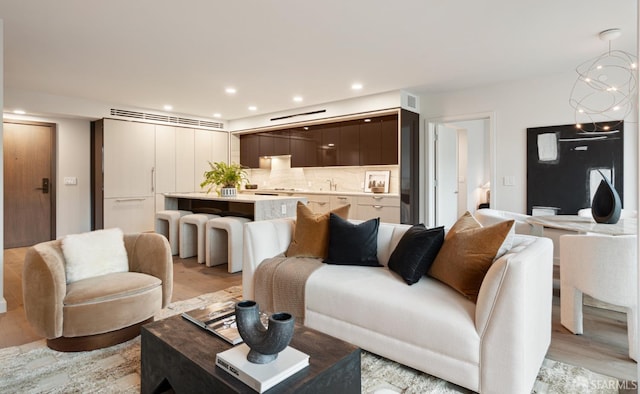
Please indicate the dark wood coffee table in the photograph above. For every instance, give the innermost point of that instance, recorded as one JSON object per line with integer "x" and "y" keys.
{"x": 180, "y": 356}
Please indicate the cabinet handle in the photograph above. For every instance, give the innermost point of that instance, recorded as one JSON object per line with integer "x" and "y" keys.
{"x": 319, "y": 202}
{"x": 377, "y": 198}
{"x": 342, "y": 198}
{"x": 153, "y": 180}
{"x": 129, "y": 199}
{"x": 377, "y": 206}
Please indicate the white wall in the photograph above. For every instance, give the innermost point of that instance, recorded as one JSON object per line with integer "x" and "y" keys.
{"x": 3, "y": 301}
{"x": 357, "y": 105}
{"x": 73, "y": 202}
{"x": 541, "y": 101}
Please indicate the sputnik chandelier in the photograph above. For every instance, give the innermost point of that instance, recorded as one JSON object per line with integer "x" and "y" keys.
{"x": 606, "y": 86}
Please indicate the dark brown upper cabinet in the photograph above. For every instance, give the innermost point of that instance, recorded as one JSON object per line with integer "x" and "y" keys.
{"x": 250, "y": 150}
{"x": 349, "y": 143}
{"x": 275, "y": 143}
{"x": 305, "y": 147}
{"x": 330, "y": 143}
{"x": 379, "y": 141}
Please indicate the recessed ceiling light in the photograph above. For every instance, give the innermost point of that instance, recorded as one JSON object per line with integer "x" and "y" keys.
{"x": 253, "y": 108}
{"x": 19, "y": 112}
{"x": 230, "y": 90}
{"x": 217, "y": 115}
{"x": 356, "y": 86}
{"x": 297, "y": 99}
{"x": 168, "y": 107}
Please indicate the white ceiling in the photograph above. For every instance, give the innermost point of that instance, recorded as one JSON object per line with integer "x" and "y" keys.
{"x": 148, "y": 53}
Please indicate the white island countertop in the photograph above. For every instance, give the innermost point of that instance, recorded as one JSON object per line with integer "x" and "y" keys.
{"x": 244, "y": 205}
{"x": 241, "y": 197}
{"x": 294, "y": 192}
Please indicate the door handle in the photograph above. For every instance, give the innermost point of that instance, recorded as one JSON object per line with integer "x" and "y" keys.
{"x": 45, "y": 186}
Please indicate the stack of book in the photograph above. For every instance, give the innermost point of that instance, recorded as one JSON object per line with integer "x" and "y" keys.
{"x": 261, "y": 377}
{"x": 218, "y": 318}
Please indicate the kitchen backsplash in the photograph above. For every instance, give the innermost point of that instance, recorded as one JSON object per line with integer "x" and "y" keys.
{"x": 346, "y": 179}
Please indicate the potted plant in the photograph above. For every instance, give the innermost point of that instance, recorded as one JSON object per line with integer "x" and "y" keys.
{"x": 227, "y": 176}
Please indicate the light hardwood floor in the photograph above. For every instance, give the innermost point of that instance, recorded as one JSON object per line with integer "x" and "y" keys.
{"x": 603, "y": 347}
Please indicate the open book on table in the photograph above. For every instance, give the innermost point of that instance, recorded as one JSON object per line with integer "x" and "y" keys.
{"x": 218, "y": 318}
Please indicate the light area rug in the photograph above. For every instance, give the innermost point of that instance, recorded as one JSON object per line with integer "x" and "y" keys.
{"x": 34, "y": 368}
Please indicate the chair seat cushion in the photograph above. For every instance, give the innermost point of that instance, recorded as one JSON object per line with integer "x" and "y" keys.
{"x": 109, "y": 287}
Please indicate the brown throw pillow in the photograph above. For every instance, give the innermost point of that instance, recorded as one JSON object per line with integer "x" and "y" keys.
{"x": 467, "y": 254}
{"x": 311, "y": 235}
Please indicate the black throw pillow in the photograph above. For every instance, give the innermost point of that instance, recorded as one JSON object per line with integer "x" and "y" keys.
{"x": 415, "y": 252}
{"x": 353, "y": 244}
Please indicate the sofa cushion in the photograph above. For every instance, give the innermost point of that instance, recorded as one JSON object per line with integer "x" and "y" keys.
{"x": 95, "y": 253}
{"x": 468, "y": 221}
{"x": 428, "y": 315}
{"x": 353, "y": 244}
{"x": 415, "y": 252}
{"x": 311, "y": 234}
{"x": 465, "y": 256}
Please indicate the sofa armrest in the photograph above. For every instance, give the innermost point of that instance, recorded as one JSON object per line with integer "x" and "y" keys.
{"x": 262, "y": 240}
{"x": 44, "y": 286}
{"x": 513, "y": 316}
{"x": 150, "y": 253}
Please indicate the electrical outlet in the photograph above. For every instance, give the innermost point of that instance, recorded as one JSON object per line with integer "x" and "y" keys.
{"x": 284, "y": 209}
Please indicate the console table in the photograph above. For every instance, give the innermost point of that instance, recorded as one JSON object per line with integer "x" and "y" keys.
{"x": 244, "y": 205}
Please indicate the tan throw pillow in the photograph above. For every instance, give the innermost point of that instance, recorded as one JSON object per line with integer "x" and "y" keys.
{"x": 466, "y": 255}
{"x": 311, "y": 234}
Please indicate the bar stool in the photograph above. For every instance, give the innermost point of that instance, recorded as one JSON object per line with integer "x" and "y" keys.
{"x": 224, "y": 241}
{"x": 167, "y": 223}
{"x": 191, "y": 235}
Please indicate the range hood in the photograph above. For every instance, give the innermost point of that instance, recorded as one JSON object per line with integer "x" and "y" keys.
{"x": 282, "y": 162}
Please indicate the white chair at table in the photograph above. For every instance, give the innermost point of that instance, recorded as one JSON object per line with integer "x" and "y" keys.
{"x": 489, "y": 216}
{"x": 604, "y": 267}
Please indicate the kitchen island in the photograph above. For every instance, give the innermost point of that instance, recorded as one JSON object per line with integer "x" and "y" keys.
{"x": 254, "y": 207}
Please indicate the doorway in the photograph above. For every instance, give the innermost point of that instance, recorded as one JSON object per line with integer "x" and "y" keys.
{"x": 29, "y": 183}
{"x": 460, "y": 167}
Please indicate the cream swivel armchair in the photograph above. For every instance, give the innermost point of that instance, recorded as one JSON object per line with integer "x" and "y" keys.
{"x": 604, "y": 267}
{"x": 79, "y": 304}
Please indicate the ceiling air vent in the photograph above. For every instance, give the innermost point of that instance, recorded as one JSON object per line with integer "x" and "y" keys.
{"x": 156, "y": 118}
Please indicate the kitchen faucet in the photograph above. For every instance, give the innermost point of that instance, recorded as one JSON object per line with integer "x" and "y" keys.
{"x": 332, "y": 184}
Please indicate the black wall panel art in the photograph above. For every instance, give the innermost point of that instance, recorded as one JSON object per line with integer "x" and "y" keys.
{"x": 563, "y": 164}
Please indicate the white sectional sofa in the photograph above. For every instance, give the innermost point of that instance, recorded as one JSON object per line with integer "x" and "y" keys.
{"x": 494, "y": 346}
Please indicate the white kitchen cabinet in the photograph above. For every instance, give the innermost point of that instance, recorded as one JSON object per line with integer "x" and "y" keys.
{"x": 174, "y": 162}
{"x": 387, "y": 208}
{"x": 129, "y": 159}
{"x": 185, "y": 175}
{"x": 318, "y": 203}
{"x": 135, "y": 162}
{"x": 210, "y": 146}
{"x": 165, "y": 159}
{"x": 131, "y": 214}
{"x": 338, "y": 201}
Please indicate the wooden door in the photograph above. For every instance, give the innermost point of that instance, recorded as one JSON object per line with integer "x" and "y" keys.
{"x": 29, "y": 183}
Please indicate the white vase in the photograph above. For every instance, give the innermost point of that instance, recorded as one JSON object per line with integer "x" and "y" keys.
{"x": 228, "y": 192}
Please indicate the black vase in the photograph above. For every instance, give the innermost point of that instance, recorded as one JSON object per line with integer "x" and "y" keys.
{"x": 265, "y": 343}
{"x": 606, "y": 205}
